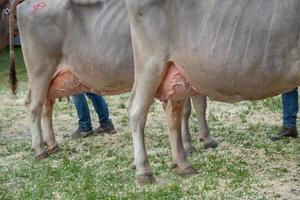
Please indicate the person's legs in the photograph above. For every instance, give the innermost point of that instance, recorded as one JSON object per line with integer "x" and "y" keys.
{"x": 103, "y": 113}
{"x": 290, "y": 108}
{"x": 83, "y": 113}
{"x": 289, "y": 115}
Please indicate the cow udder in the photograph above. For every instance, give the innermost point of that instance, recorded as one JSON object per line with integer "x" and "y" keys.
{"x": 174, "y": 86}
{"x": 65, "y": 83}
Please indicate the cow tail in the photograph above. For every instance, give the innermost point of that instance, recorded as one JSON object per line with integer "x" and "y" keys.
{"x": 13, "y": 81}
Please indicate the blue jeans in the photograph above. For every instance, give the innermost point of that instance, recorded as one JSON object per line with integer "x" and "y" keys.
{"x": 83, "y": 110}
{"x": 290, "y": 108}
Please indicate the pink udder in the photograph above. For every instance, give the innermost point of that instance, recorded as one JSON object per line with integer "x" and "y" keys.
{"x": 65, "y": 84}
{"x": 174, "y": 86}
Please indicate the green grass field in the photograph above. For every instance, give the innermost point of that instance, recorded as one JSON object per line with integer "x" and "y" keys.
{"x": 246, "y": 165}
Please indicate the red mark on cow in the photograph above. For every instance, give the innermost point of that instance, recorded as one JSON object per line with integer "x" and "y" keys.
{"x": 39, "y": 5}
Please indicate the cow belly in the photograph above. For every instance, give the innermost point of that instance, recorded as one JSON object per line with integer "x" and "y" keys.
{"x": 65, "y": 83}
{"x": 174, "y": 86}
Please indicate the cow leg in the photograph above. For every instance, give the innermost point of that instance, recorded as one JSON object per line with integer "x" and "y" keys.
{"x": 35, "y": 114}
{"x": 140, "y": 100}
{"x": 39, "y": 82}
{"x": 200, "y": 105}
{"x": 186, "y": 136}
{"x": 149, "y": 68}
{"x": 138, "y": 108}
{"x": 173, "y": 110}
{"x": 47, "y": 126}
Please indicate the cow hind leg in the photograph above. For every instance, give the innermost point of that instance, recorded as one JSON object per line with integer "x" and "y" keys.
{"x": 173, "y": 110}
{"x": 138, "y": 109}
{"x": 35, "y": 113}
{"x": 140, "y": 100}
{"x": 186, "y": 136}
{"x": 47, "y": 126}
{"x": 200, "y": 105}
{"x": 37, "y": 94}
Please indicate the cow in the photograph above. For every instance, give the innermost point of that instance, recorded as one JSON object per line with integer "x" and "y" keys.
{"x": 4, "y": 19}
{"x": 6, "y": 36}
{"x": 227, "y": 50}
{"x": 74, "y": 46}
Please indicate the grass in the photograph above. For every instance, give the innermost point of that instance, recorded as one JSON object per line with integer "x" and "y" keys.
{"x": 246, "y": 165}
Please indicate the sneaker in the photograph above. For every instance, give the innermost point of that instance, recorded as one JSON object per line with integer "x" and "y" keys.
{"x": 80, "y": 133}
{"x": 285, "y": 132}
{"x": 110, "y": 129}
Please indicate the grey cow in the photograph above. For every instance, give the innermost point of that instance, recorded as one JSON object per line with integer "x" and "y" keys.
{"x": 73, "y": 46}
{"x": 225, "y": 49}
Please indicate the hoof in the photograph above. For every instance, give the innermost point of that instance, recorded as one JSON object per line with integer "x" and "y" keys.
{"x": 133, "y": 166}
{"x": 212, "y": 144}
{"x": 190, "y": 151}
{"x": 54, "y": 149}
{"x": 42, "y": 155}
{"x": 145, "y": 179}
{"x": 189, "y": 171}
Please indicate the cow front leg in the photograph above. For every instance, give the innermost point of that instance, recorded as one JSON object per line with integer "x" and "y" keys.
{"x": 200, "y": 105}
{"x": 173, "y": 110}
{"x": 47, "y": 126}
{"x": 186, "y": 135}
